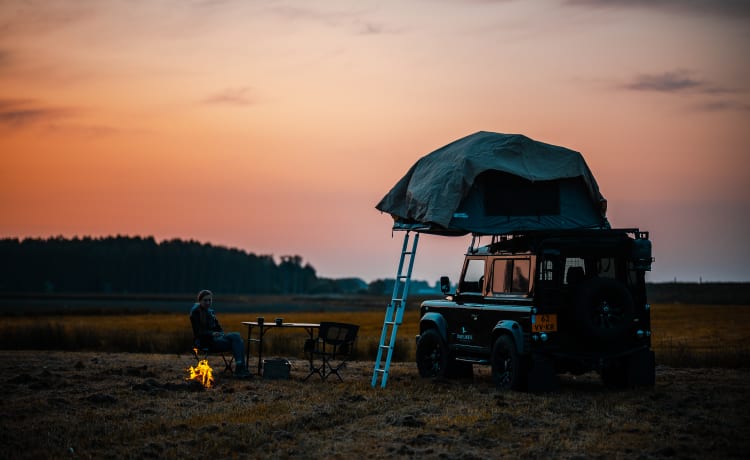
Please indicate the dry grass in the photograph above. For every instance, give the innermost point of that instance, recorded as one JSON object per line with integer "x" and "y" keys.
{"x": 115, "y": 405}
{"x": 105, "y": 404}
{"x": 683, "y": 335}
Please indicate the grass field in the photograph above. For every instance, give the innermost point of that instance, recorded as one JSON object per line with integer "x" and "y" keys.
{"x": 94, "y": 401}
{"x": 683, "y": 335}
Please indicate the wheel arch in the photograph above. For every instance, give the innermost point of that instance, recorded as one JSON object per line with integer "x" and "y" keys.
{"x": 433, "y": 320}
{"x": 512, "y": 329}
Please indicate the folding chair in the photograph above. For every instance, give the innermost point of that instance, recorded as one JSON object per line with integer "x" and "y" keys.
{"x": 202, "y": 353}
{"x": 333, "y": 346}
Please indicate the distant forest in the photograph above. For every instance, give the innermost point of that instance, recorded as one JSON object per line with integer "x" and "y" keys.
{"x": 124, "y": 264}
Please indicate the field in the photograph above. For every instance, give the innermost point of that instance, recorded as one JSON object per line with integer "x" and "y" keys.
{"x": 94, "y": 401}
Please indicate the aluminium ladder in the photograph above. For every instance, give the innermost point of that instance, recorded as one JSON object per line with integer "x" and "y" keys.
{"x": 394, "y": 314}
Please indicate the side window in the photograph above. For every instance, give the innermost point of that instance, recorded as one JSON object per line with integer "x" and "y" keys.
{"x": 606, "y": 267}
{"x": 574, "y": 270}
{"x": 473, "y": 276}
{"x": 521, "y": 269}
{"x": 500, "y": 274}
{"x": 511, "y": 276}
{"x": 546, "y": 270}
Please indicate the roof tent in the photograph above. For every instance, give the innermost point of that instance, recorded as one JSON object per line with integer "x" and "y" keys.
{"x": 494, "y": 184}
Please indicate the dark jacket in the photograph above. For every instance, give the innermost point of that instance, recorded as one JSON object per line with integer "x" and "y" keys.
{"x": 204, "y": 324}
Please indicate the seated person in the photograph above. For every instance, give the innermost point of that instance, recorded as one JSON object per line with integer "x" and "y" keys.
{"x": 209, "y": 334}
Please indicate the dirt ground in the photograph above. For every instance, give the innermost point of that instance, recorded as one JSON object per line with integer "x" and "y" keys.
{"x": 115, "y": 405}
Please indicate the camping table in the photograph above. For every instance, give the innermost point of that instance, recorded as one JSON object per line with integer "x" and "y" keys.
{"x": 263, "y": 327}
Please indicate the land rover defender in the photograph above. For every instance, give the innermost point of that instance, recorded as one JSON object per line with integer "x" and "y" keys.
{"x": 539, "y": 304}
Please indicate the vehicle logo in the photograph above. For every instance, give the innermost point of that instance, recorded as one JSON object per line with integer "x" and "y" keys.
{"x": 464, "y": 336}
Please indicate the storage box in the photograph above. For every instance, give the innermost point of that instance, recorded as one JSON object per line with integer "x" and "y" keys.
{"x": 276, "y": 368}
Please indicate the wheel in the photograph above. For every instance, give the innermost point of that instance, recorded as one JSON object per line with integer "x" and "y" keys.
{"x": 432, "y": 354}
{"x": 604, "y": 309}
{"x": 507, "y": 367}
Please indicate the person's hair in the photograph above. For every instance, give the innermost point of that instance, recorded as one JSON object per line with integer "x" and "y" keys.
{"x": 203, "y": 294}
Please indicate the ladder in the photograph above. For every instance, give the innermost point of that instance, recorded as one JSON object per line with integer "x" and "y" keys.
{"x": 394, "y": 314}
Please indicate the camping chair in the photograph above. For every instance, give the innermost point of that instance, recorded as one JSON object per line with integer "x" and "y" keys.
{"x": 202, "y": 353}
{"x": 333, "y": 347}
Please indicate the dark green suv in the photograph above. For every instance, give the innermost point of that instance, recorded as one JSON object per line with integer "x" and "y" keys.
{"x": 543, "y": 303}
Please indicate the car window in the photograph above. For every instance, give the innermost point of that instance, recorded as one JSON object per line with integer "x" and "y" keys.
{"x": 499, "y": 274}
{"x": 473, "y": 276}
{"x": 521, "y": 269}
{"x": 511, "y": 276}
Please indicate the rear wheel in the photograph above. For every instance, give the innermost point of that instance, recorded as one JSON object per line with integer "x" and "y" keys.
{"x": 507, "y": 367}
{"x": 432, "y": 355}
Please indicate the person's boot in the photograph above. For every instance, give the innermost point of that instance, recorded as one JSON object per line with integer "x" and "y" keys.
{"x": 241, "y": 372}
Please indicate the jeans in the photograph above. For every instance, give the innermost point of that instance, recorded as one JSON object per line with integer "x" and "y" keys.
{"x": 231, "y": 342}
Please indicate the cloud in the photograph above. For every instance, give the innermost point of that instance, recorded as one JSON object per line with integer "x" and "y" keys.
{"x": 232, "y": 96}
{"x": 679, "y": 81}
{"x": 18, "y": 113}
{"x": 682, "y": 82}
{"x": 723, "y": 105}
{"x": 730, "y": 9}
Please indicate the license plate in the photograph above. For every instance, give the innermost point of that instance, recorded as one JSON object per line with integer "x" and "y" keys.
{"x": 544, "y": 323}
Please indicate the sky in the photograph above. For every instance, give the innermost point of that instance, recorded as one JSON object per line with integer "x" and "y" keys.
{"x": 275, "y": 127}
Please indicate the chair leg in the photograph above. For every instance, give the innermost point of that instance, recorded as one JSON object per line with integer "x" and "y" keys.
{"x": 316, "y": 370}
{"x": 335, "y": 370}
{"x": 228, "y": 363}
{"x": 203, "y": 354}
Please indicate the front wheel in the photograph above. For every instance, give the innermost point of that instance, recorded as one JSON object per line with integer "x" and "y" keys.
{"x": 432, "y": 355}
{"x": 508, "y": 371}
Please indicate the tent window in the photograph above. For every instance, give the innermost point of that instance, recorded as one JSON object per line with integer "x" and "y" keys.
{"x": 509, "y": 195}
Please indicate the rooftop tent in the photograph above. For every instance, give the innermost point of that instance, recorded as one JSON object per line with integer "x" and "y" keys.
{"x": 494, "y": 184}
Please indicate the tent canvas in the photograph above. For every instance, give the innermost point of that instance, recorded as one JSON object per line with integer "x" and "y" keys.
{"x": 493, "y": 184}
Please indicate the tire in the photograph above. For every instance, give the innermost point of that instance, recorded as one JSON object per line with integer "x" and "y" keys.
{"x": 604, "y": 309}
{"x": 432, "y": 355}
{"x": 508, "y": 371}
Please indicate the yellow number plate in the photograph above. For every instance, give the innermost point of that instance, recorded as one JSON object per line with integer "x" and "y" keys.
{"x": 544, "y": 323}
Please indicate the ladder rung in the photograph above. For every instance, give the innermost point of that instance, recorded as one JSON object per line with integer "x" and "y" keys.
{"x": 385, "y": 347}
{"x": 380, "y": 370}
{"x": 391, "y": 323}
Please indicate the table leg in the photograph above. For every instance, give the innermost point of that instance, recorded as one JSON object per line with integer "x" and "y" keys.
{"x": 247, "y": 346}
{"x": 260, "y": 349}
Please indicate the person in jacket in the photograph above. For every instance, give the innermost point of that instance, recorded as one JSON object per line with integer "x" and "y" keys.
{"x": 208, "y": 333}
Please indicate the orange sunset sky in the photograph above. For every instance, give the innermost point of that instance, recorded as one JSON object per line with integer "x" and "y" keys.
{"x": 276, "y": 126}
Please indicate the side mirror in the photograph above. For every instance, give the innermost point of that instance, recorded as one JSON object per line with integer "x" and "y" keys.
{"x": 445, "y": 284}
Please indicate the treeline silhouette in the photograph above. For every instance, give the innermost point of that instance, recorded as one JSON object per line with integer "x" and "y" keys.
{"x": 124, "y": 264}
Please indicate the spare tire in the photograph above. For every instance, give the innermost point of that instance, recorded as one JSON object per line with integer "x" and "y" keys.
{"x": 604, "y": 309}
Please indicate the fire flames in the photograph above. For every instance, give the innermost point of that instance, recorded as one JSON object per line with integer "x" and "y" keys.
{"x": 203, "y": 373}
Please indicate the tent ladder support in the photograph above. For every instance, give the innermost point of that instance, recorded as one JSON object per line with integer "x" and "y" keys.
{"x": 394, "y": 314}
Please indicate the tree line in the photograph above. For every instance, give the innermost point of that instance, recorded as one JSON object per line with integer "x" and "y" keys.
{"x": 124, "y": 264}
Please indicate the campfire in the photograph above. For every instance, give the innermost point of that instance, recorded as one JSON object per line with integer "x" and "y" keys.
{"x": 203, "y": 373}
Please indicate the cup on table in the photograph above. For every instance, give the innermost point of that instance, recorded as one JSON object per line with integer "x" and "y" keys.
{"x": 279, "y": 321}
{"x": 260, "y": 320}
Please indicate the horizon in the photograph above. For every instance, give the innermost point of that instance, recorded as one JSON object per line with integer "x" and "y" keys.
{"x": 276, "y": 127}
{"x": 277, "y": 260}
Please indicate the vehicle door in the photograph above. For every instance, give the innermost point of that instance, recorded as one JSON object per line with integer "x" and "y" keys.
{"x": 463, "y": 322}
{"x": 509, "y": 291}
